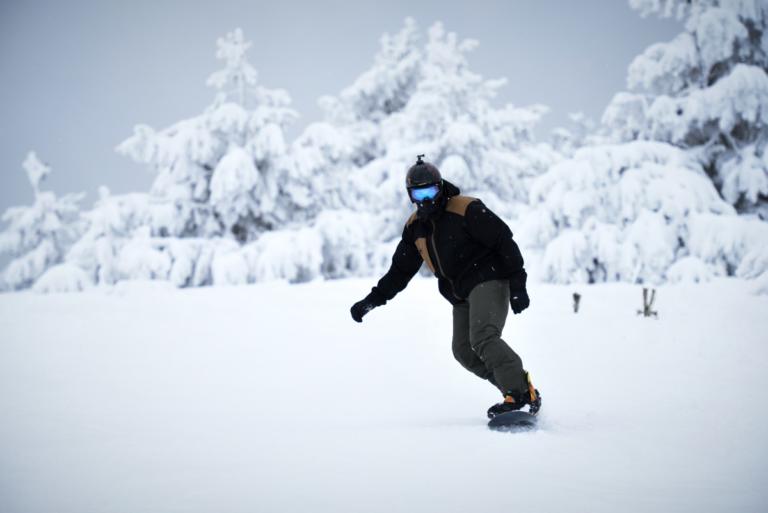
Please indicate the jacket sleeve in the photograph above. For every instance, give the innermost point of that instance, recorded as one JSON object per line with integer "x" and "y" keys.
{"x": 405, "y": 264}
{"x": 493, "y": 233}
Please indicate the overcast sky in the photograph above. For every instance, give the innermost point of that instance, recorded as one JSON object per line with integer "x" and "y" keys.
{"x": 76, "y": 76}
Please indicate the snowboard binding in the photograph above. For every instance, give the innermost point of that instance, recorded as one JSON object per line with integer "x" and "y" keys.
{"x": 516, "y": 401}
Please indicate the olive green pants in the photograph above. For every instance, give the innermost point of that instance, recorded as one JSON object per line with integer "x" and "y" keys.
{"x": 477, "y": 343}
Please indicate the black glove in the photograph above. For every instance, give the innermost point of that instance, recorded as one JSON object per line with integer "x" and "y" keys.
{"x": 361, "y": 308}
{"x": 518, "y": 296}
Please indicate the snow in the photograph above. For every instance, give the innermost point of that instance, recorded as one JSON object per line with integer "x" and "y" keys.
{"x": 422, "y": 98}
{"x": 63, "y": 278}
{"x": 752, "y": 10}
{"x": 36, "y": 170}
{"x": 718, "y": 31}
{"x": 728, "y": 243}
{"x": 746, "y": 175}
{"x": 238, "y": 71}
{"x": 37, "y": 236}
{"x": 705, "y": 91}
{"x": 665, "y": 8}
{"x": 662, "y": 67}
{"x": 761, "y": 284}
{"x": 629, "y": 211}
{"x": 295, "y": 255}
{"x": 740, "y": 97}
{"x": 269, "y": 398}
{"x": 141, "y": 259}
{"x": 689, "y": 269}
{"x": 229, "y": 267}
{"x": 625, "y": 116}
{"x": 622, "y": 202}
{"x": 232, "y": 183}
{"x": 224, "y": 172}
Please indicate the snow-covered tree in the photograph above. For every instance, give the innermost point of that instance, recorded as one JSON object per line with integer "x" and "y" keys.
{"x": 642, "y": 212}
{"x": 658, "y": 204}
{"x": 351, "y": 135}
{"x": 419, "y": 96}
{"x": 238, "y": 78}
{"x": 63, "y": 278}
{"x": 38, "y": 236}
{"x": 111, "y": 224}
{"x": 386, "y": 87}
{"x": 450, "y": 116}
{"x": 581, "y": 131}
{"x": 706, "y": 91}
{"x": 225, "y": 172}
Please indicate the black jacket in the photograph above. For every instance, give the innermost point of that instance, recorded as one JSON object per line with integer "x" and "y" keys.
{"x": 466, "y": 244}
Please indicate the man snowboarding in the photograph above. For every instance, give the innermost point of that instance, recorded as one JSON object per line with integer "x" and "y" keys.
{"x": 480, "y": 272}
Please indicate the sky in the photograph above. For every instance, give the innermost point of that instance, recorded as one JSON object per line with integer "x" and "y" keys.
{"x": 76, "y": 76}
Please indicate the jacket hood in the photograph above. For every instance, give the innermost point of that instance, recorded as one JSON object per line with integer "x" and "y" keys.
{"x": 449, "y": 189}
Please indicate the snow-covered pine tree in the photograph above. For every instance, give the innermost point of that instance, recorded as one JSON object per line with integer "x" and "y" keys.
{"x": 386, "y": 87}
{"x": 644, "y": 208}
{"x": 111, "y": 224}
{"x": 38, "y": 236}
{"x": 581, "y": 131}
{"x": 417, "y": 97}
{"x": 225, "y": 172}
{"x": 642, "y": 212}
{"x": 351, "y": 136}
{"x": 706, "y": 91}
{"x": 487, "y": 151}
{"x": 424, "y": 98}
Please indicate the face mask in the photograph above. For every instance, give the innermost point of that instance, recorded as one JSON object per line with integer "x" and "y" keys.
{"x": 428, "y": 209}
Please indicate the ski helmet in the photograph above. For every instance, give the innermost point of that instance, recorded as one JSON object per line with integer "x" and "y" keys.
{"x": 425, "y": 188}
{"x": 422, "y": 174}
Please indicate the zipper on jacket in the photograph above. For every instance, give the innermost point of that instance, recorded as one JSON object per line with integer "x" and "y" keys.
{"x": 439, "y": 265}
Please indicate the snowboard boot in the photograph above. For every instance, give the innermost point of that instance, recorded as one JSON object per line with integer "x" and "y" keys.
{"x": 517, "y": 400}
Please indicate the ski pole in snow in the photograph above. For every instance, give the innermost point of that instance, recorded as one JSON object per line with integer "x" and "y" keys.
{"x": 647, "y": 305}
{"x": 576, "y": 299}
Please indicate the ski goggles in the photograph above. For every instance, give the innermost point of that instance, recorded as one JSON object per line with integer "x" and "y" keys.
{"x": 419, "y": 194}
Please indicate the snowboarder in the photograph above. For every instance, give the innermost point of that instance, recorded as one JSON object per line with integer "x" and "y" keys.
{"x": 479, "y": 270}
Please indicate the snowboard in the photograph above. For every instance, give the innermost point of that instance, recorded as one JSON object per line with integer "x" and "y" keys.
{"x": 513, "y": 421}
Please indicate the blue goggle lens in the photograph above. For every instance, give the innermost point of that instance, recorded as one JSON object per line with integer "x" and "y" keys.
{"x": 425, "y": 193}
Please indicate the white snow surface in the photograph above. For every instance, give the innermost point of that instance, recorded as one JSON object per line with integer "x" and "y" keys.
{"x": 146, "y": 398}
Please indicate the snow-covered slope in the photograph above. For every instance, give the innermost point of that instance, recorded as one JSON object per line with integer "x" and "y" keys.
{"x": 268, "y": 398}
